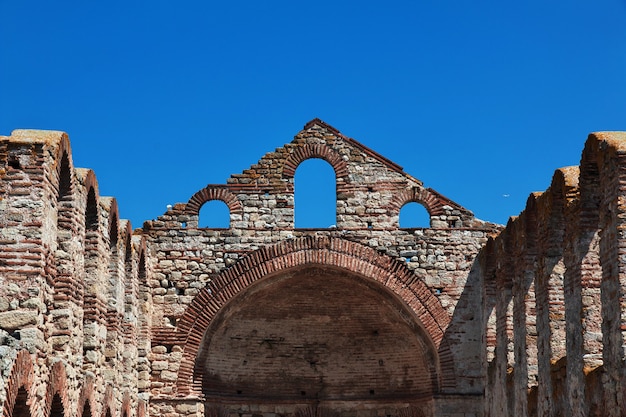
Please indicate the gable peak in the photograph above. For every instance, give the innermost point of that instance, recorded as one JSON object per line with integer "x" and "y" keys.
{"x": 323, "y": 124}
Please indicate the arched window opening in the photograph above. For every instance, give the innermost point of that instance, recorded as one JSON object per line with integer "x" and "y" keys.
{"x": 413, "y": 216}
{"x": 21, "y": 409}
{"x": 91, "y": 214}
{"x": 113, "y": 234}
{"x": 65, "y": 181}
{"x": 141, "y": 269}
{"x": 214, "y": 214}
{"x": 57, "y": 409}
{"x": 315, "y": 196}
{"x": 86, "y": 410}
{"x": 128, "y": 256}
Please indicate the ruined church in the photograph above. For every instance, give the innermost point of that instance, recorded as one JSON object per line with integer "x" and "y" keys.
{"x": 464, "y": 318}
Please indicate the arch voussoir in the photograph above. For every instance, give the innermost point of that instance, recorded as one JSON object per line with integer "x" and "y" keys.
{"x": 324, "y": 251}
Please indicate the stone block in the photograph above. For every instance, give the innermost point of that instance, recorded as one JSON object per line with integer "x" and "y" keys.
{"x": 17, "y": 319}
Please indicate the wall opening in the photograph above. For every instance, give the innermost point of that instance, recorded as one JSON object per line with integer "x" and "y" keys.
{"x": 414, "y": 215}
{"x": 57, "y": 409}
{"x": 291, "y": 338}
{"x": 91, "y": 214}
{"x": 21, "y": 409}
{"x": 315, "y": 195}
{"x": 86, "y": 410}
{"x": 214, "y": 214}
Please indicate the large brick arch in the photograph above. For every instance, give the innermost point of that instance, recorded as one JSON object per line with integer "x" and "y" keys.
{"x": 22, "y": 375}
{"x": 325, "y": 251}
{"x": 309, "y": 151}
{"x": 213, "y": 192}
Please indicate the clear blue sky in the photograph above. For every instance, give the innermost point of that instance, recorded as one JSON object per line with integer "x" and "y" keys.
{"x": 480, "y": 100}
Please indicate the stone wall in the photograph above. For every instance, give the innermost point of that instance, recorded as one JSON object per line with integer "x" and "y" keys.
{"x": 191, "y": 262}
{"x": 555, "y": 279}
{"x": 364, "y": 318}
{"x": 68, "y": 338}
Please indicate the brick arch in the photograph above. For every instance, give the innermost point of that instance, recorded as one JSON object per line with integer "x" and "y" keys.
{"x": 64, "y": 167}
{"x": 529, "y": 223}
{"x": 140, "y": 248}
{"x": 126, "y": 233}
{"x": 432, "y": 201}
{"x": 213, "y": 192}
{"x": 22, "y": 375}
{"x": 308, "y": 151}
{"x": 108, "y": 402}
{"x": 86, "y": 397}
{"x": 113, "y": 224}
{"x": 87, "y": 179}
{"x": 89, "y": 183}
{"x": 563, "y": 189}
{"x": 125, "y": 409}
{"x": 327, "y": 251}
{"x": 57, "y": 386}
{"x": 141, "y": 408}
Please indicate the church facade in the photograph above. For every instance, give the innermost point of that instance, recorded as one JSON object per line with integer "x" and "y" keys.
{"x": 364, "y": 318}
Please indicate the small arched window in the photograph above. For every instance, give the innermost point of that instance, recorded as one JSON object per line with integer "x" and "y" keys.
{"x": 214, "y": 214}
{"x": 414, "y": 216}
{"x": 315, "y": 196}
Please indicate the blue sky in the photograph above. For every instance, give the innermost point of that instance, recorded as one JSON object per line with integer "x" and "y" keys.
{"x": 481, "y": 100}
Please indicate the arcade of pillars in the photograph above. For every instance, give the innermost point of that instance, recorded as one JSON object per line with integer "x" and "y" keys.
{"x": 464, "y": 318}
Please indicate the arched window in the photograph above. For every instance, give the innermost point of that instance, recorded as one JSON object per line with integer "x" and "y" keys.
{"x": 214, "y": 214}
{"x": 414, "y": 215}
{"x": 315, "y": 196}
{"x": 57, "y": 409}
{"x": 21, "y": 409}
{"x": 86, "y": 410}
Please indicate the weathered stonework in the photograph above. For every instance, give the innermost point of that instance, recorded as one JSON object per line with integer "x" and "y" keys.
{"x": 464, "y": 318}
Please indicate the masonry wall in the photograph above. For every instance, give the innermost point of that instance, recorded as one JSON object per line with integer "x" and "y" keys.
{"x": 363, "y": 318}
{"x": 65, "y": 260}
{"x": 557, "y": 271}
{"x": 370, "y": 192}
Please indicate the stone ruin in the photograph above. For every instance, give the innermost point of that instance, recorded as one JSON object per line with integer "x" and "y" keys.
{"x": 263, "y": 319}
